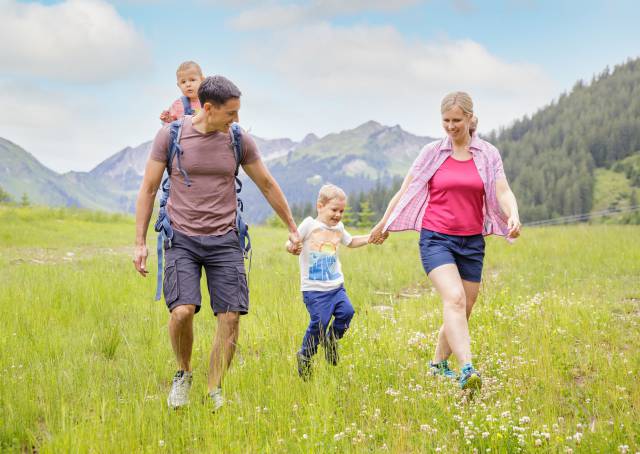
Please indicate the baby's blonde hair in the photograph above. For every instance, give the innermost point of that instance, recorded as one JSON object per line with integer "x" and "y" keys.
{"x": 329, "y": 192}
{"x": 187, "y": 65}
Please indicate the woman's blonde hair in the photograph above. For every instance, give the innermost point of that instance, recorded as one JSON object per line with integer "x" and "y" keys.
{"x": 329, "y": 192}
{"x": 460, "y": 99}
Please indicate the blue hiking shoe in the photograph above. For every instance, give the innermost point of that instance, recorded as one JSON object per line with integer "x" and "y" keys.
{"x": 470, "y": 378}
{"x": 442, "y": 368}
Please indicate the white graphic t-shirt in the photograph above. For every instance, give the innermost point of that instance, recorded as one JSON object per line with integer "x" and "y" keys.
{"x": 320, "y": 268}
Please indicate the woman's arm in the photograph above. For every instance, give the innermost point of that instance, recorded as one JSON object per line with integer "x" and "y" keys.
{"x": 377, "y": 236}
{"x": 509, "y": 207}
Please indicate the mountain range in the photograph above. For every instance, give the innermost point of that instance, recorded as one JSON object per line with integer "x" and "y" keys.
{"x": 355, "y": 159}
{"x": 579, "y": 154}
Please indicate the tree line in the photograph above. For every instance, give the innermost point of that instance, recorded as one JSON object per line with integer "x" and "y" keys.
{"x": 550, "y": 157}
{"x": 7, "y": 199}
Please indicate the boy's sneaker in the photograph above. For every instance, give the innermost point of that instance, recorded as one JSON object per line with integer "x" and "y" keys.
{"x": 216, "y": 399}
{"x": 304, "y": 366}
{"x": 331, "y": 350}
{"x": 179, "y": 394}
{"x": 470, "y": 378}
{"x": 442, "y": 368}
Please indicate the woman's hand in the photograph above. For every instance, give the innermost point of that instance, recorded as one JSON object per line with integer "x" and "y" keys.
{"x": 514, "y": 225}
{"x": 377, "y": 236}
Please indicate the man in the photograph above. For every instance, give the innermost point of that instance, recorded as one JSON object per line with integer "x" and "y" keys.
{"x": 203, "y": 218}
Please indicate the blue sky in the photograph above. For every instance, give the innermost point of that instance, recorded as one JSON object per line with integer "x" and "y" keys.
{"x": 90, "y": 77}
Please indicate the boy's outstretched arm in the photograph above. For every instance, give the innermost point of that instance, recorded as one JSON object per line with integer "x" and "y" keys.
{"x": 358, "y": 241}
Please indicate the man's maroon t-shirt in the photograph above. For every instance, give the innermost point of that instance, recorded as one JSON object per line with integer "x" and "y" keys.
{"x": 208, "y": 206}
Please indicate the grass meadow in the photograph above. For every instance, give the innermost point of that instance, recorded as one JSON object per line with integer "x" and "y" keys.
{"x": 86, "y": 362}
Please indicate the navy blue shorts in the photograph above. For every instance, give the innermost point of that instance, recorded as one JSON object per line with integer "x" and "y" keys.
{"x": 222, "y": 260}
{"x": 466, "y": 252}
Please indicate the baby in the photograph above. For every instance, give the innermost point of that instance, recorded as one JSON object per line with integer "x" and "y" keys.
{"x": 189, "y": 77}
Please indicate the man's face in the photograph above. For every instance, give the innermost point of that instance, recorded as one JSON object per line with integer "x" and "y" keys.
{"x": 220, "y": 117}
{"x": 189, "y": 81}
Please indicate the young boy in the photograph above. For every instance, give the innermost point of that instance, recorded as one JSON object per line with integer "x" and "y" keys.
{"x": 321, "y": 277}
{"x": 189, "y": 77}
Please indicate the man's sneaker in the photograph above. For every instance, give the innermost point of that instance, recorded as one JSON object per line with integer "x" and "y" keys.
{"x": 331, "y": 350}
{"x": 442, "y": 368}
{"x": 179, "y": 394}
{"x": 304, "y": 366}
{"x": 216, "y": 400}
{"x": 470, "y": 378}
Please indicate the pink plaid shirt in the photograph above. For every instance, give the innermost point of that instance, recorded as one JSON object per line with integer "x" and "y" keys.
{"x": 409, "y": 211}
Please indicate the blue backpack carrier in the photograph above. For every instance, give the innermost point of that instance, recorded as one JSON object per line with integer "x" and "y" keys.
{"x": 163, "y": 224}
{"x": 186, "y": 104}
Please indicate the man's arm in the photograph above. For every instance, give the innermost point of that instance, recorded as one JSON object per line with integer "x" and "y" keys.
{"x": 269, "y": 187}
{"x": 144, "y": 207}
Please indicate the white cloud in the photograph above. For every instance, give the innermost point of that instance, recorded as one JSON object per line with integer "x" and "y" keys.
{"x": 277, "y": 14}
{"x": 67, "y": 130}
{"x": 76, "y": 40}
{"x": 362, "y": 73}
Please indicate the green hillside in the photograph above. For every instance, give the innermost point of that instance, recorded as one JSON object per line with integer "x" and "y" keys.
{"x": 21, "y": 173}
{"x": 551, "y": 158}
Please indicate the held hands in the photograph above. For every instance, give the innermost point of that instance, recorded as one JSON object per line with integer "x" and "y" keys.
{"x": 377, "y": 236}
{"x": 140, "y": 260}
{"x": 294, "y": 245}
{"x": 513, "y": 223}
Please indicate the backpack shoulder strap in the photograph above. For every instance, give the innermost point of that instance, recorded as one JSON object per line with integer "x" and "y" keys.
{"x": 175, "y": 131}
{"x": 186, "y": 105}
{"x": 174, "y": 149}
{"x": 236, "y": 141}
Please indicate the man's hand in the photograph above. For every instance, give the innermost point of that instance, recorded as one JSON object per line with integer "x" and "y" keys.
{"x": 376, "y": 236}
{"x": 166, "y": 117}
{"x": 294, "y": 245}
{"x": 291, "y": 249}
{"x": 513, "y": 223}
{"x": 140, "y": 260}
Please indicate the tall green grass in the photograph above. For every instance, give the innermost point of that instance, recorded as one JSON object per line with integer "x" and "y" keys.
{"x": 86, "y": 360}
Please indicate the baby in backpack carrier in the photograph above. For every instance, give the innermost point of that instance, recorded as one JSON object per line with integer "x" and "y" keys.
{"x": 189, "y": 76}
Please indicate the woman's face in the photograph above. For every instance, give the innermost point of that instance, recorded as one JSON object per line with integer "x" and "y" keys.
{"x": 456, "y": 123}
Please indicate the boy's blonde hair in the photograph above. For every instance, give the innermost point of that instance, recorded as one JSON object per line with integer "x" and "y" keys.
{"x": 187, "y": 65}
{"x": 329, "y": 192}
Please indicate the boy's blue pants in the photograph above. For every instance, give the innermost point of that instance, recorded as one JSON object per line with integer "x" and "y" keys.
{"x": 322, "y": 306}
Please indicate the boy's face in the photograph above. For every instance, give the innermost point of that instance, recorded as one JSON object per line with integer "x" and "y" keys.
{"x": 189, "y": 81}
{"x": 331, "y": 212}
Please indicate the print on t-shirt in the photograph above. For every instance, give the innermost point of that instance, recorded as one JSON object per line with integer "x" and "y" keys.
{"x": 322, "y": 255}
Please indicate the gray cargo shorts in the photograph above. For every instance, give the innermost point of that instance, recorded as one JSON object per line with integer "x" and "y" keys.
{"x": 223, "y": 263}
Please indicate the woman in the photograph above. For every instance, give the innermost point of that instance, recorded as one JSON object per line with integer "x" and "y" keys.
{"x": 455, "y": 193}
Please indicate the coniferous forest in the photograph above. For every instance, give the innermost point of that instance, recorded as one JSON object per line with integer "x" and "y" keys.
{"x": 551, "y": 157}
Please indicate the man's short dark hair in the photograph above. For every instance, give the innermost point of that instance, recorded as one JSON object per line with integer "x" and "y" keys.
{"x": 217, "y": 90}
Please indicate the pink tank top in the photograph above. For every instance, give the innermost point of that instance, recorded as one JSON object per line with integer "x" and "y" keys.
{"x": 456, "y": 198}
